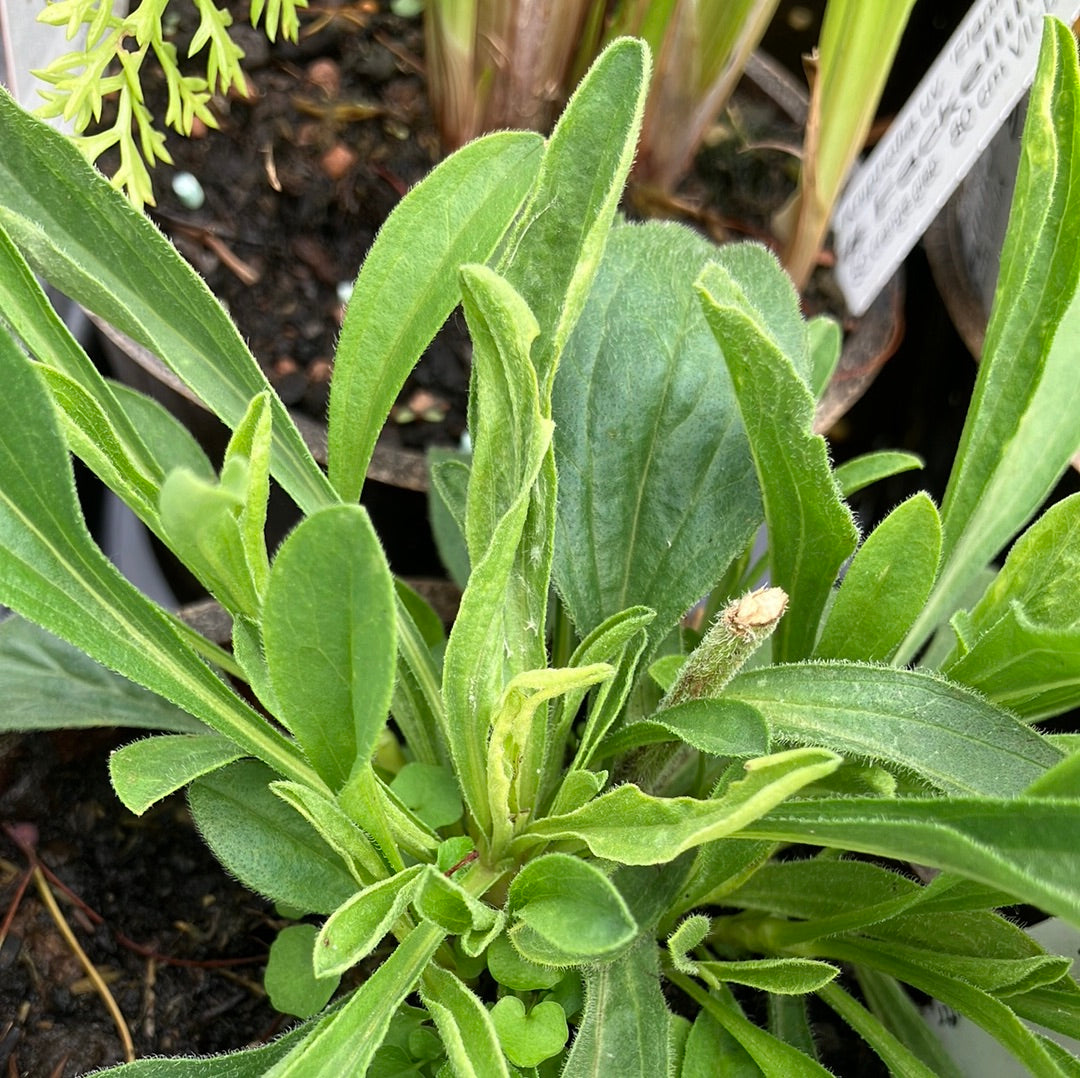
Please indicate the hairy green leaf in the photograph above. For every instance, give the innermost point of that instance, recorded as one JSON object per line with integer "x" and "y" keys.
{"x": 885, "y": 586}
{"x": 464, "y": 1024}
{"x": 329, "y": 631}
{"x": 344, "y": 1041}
{"x": 353, "y": 930}
{"x": 623, "y": 1028}
{"x": 1021, "y": 644}
{"x": 634, "y": 828}
{"x": 50, "y": 685}
{"x": 859, "y": 472}
{"x": 944, "y": 733}
{"x": 655, "y": 476}
{"x": 408, "y": 286}
{"x": 85, "y": 238}
{"x": 556, "y": 246}
{"x": 753, "y": 312}
{"x": 52, "y": 573}
{"x": 567, "y": 912}
{"x": 264, "y": 843}
{"x": 1021, "y": 427}
{"x": 290, "y": 977}
{"x": 1024, "y": 846}
{"x": 144, "y": 772}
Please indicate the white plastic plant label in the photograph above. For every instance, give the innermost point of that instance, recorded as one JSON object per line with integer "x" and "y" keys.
{"x": 936, "y": 137}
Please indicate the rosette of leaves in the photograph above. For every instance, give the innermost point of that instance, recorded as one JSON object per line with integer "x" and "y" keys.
{"x": 582, "y": 811}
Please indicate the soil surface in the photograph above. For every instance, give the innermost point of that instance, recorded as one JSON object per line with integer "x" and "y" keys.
{"x": 180, "y": 945}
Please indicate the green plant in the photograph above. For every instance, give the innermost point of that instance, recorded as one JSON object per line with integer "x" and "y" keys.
{"x": 111, "y": 63}
{"x": 495, "y": 64}
{"x": 574, "y": 809}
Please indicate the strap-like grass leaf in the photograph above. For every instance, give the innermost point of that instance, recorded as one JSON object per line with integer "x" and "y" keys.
{"x": 52, "y": 573}
{"x": 329, "y": 632}
{"x": 914, "y": 720}
{"x": 408, "y": 286}
{"x": 753, "y": 311}
{"x": 657, "y": 493}
{"x": 84, "y": 237}
{"x": 1022, "y": 427}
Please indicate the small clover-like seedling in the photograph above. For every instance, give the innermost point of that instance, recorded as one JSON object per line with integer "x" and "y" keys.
{"x": 530, "y": 1038}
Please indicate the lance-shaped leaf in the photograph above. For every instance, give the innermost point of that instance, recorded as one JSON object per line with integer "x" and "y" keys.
{"x": 464, "y": 1025}
{"x": 247, "y": 1063}
{"x": 264, "y": 843}
{"x": 408, "y": 286}
{"x": 52, "y": 573}
{"x": 555, "y": 249}
{"x": 623, "y": 1028}
{"x": 994, "y": 1015}
{"x": 345, "y": 1041}
{"x": 329, "y": 631}
{"x": 656, "y": 483}
{"x": 943, "y": 732}
{"x": 1025, "y": 846}
{"x": 634, "y": 828}
{"x": 511, "y": 430}
{"x": 1021, "y": 426}
{"x": 885, "y": 586}
{"x": 84, "y": 237}
{"x": 352, "y": 931}
{"x": 753, "y": 311}
{"x": 1021, "y": 644}
{"x": 144, "y": 772}
{"x": 26, "y": 309}
{"x": 50, "y": 685}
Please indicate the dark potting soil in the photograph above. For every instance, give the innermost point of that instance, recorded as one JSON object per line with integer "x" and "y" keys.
{"x": 181, "y": 946}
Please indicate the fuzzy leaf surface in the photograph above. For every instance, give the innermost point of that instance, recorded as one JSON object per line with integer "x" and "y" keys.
{"x": 1026, "y": 847}
{"x": 144, "y": 772}
{"x": 51, "y": 685}
{"x": 408, "y": 286}
{"x": 329, "y": 632}
{"x": 52, "y": 572}
{"x": 624, "y": 1023}
{"x": 753, "y": 312}
{"x": 885, "y": 586}
{"x": 264, "y": 843}
{"x": 84, "y": 237}
{"x": 634, "y": 828}
{"x": 567, "y": 912}
{"x": 655, "y": 476}
{"x": 1021, "y": 643}
{"x": 918, "y": 721}
{"x": 557, "y": 244}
